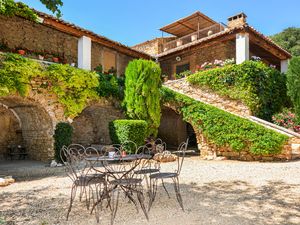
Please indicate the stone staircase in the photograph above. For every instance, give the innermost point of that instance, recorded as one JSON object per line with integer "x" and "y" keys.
{"x": 291, "y": 149}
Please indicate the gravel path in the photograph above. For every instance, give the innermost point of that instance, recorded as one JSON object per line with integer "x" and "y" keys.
{"x": 214, "y": 192}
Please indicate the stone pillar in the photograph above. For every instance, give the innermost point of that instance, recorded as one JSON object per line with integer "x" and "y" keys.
{"x": 84, "y": 53}
{"x": 242, "y": 48}
{"x": 284, "y": 65}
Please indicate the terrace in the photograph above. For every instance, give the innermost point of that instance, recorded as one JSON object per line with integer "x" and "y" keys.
{"x": 189, "y": 29}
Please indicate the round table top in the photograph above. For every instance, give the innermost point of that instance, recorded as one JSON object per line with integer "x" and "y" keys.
{"x": 118, "y": 157}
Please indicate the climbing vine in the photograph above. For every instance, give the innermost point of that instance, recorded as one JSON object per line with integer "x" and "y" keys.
{"x": 16, "y": 73}
{"x": 74, "y": 87}
{"x": 224, "y": 129}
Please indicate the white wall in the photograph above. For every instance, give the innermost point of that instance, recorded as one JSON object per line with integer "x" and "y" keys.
{"x": 242, "y": 48}
{"x": 84, "y": 53}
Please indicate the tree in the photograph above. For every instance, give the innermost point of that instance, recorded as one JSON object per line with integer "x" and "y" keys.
{"x": 142, "y": 93}
{"x": 289, "y": 39}
{"x": 53, "y": 6}
{"x": 293, "y": 84}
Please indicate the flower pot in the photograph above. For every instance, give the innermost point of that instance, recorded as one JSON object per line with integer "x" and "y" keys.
{"x": 21, "y": 52}
{"x": 41, "y": 57}
{"x": 55, "y": 59}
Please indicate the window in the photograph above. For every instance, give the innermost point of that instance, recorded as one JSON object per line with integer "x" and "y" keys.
{"x": 182, "y": 68}
{"x": 109, "y": 61}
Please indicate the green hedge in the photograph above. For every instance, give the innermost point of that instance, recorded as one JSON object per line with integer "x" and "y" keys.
{"x": 111, "y": 85}
{"x": 261, "y": 88}
{"x": 225, "y": 129}
{"x": 128, "y": 130}
{"x": 62, "y": 136}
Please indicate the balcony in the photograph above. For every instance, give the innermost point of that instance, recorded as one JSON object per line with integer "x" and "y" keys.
{"x": 192, "y": 37}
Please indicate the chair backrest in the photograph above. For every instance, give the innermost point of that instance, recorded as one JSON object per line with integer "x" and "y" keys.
{"x": 181, "y": 150}
{"x": 156, "y": 146}
{"x": 91, "y": 152}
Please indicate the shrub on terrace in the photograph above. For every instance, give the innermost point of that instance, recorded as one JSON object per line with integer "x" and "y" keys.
{"x": 261, "y": 88}
{"x": 62, "y": 136}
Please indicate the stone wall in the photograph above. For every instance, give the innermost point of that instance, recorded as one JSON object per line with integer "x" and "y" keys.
{"x": 91, "y": 126}
{"x": 16, "y": 32}
{"x": 153, "y": 47}
{"x": 197, "y": 56}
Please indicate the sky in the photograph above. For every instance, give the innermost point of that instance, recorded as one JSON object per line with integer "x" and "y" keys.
{"x": 134, "y": 21}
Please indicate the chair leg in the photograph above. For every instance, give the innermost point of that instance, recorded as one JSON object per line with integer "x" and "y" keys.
{"x": 153, "y": 191}
{"x": 115, "y": 203}
{"x": 177, "y": 191}
{"x": 163, "y": 184}
{"x": 141, "y": 199}
{"x": 73, "y": 194}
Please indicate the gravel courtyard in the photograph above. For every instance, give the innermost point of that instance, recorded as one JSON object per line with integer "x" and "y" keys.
{"x": 214, "y": 192}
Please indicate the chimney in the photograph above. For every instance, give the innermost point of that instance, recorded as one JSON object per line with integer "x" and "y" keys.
{"x": 237, "y": 20}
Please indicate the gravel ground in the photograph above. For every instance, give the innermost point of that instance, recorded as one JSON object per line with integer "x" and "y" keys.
{"x": 214, "y": 192}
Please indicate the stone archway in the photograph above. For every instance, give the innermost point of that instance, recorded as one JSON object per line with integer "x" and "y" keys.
{"x": 34, "y": 125}
{"x": 91, "y": 125}
{"x": 174, "y": 130}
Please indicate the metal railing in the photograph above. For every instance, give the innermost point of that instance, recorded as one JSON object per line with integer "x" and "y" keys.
{"x": 203, "y": 33}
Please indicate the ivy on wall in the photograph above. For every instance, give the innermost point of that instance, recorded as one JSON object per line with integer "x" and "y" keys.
{"x": 74, "y": 87}
{"x": 261, "y": 88}
{"x": 16, "y": 73}
{"x": 224, "y": 129}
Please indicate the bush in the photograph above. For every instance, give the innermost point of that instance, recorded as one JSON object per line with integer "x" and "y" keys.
{"x": 142, "y": 95}
{"x": 62, "y": 136}
{"x": 225, "y": 129}
{"x": 287, "y": 119}
{"x": 293, "y": 84}
{"x": 110, "y": 85}
{"x": 261, "y": 88}
{"x": 128, "y": 130}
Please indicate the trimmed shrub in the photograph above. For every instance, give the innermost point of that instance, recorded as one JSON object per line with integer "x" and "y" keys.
{"x": 128, "y": 130}
{"x": 225, "y": 129}
{"x": 110, "y": 85}
{"x": 142, "y": 95}
{"x": 293, "y": 84}
{"x": 62, "y": 136}
{"x": 261, "y": 88}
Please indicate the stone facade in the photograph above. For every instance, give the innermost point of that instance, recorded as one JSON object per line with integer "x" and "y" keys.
{"x": 16, "y": 32}
{"x": 30, "y": 121}
{"x": 197, "y": 56}
{"x": 153, "y": 47}
{"x": 91, "y": 126}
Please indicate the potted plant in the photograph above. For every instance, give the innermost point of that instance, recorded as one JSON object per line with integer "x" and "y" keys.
{"x": 55, "y": 58}
{"x": 21, "y": 51}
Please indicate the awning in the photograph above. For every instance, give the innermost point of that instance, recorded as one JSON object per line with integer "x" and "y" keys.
{"x": 189, "y": 24}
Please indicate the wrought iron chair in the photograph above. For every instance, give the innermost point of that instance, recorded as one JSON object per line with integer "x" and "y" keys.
{"x": 121, "y": 177}
{"x": 79, "y": 172}
{"x": 169, "y": 175}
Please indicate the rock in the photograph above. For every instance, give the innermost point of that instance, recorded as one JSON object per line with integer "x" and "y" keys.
{"x": 53, "y": 163}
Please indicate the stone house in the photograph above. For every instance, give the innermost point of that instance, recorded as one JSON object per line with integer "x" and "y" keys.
{"x": 73, "y": 44}
{"x": 197, "y": 39}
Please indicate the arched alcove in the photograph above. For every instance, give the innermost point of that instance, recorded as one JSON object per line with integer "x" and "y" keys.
{"x": 35, "y": 126}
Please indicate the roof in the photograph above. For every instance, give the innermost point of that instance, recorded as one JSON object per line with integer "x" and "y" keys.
{"x": 262, "y": 40}
{"x": 77, "y": 31}
{"x": 188, "y": 24}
